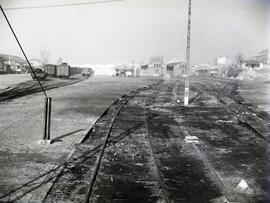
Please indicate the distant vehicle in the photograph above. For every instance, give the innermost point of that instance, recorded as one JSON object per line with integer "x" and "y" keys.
{"x": 40, "y": 74}
{"x": 87, "y": 72}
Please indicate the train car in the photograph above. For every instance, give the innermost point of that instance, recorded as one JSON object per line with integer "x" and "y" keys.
{"x": 75, "y": 70}
{"x": 63, "y": 70}
{"x": 50, "y": 70}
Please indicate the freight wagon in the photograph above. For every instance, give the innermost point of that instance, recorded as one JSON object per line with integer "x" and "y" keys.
{"x": 75, "y": 70}
{"x": 50, "y": 70}
{"x": 63, "y": 70}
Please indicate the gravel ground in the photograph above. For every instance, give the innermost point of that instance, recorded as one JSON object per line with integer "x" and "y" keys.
{"x": 27, "y": 167}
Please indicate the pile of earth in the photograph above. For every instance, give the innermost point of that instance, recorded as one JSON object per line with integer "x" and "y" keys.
{"x": 247, "y": 74}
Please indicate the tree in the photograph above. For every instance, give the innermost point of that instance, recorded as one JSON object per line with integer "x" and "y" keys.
{"x": 44, "y": 56}
{"x": 239, "y": 60}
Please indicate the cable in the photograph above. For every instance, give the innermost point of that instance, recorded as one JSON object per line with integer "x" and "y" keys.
{"x": 62, "y": 5}
{"x": 22, "y": 50}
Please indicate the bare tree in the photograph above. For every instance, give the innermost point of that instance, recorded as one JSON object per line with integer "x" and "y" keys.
{"x": 44, "y": 56}
{"x": 239, "y": 60}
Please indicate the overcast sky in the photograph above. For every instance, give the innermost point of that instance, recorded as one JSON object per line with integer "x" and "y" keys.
{"x": 136, "y": 29}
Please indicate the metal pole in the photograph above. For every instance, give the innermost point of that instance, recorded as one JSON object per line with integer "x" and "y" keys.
{"x": 47, "y": 119}
{"x": 186, "y": 96}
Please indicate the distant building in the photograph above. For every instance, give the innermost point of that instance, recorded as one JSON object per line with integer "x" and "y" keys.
{"x": 126, "y": 70}
{"x": 223, "y": 61}
{"x": 213, "y": 71}
{"x": 202, "y": 70}
{"x": 175, "y": 69}
{"x": 263, "y": 56}
{"x": 11, "y": 64}
{"x": 155, "y": 67}
{"x": 223, "y": 64}
{"x": 2, "y": 70}
{"x": 251, "y": 63}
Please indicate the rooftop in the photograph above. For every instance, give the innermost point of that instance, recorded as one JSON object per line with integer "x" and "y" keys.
{"x": 16, "y": 59}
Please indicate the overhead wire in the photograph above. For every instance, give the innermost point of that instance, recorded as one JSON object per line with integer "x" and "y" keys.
{"x": 40, "y": 7}
{"x": 61, "y": 5}
{"x": 23, "y": 51}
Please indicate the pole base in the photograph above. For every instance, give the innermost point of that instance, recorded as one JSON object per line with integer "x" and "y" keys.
{"x": 186, "y": 101}
{"x": 45, "y": 142}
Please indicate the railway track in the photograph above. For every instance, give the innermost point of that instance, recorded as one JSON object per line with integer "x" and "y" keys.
{"x": 140, "y": 122}
{"x": 242, "y": 111}
{"x": 117, "y": 122}
{"x": 122, "y": 158}
{"x": 124, "y": 102}
{"x": 136, "y": 152}
{"x": 232, "y": 94}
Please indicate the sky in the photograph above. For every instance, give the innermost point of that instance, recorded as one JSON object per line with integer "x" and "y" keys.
{"x": 128, "y": 30}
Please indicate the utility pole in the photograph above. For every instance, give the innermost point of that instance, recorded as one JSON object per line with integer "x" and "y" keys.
{"x": 186, "y": 95}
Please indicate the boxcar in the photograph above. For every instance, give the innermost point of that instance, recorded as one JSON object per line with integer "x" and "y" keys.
{"x": 63, "y": 70}
{"x": 75, "y": 70}
{"x": 50, "y": 69}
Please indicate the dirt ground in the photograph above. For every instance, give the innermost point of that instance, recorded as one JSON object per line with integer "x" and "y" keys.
{"x": 27, "y": 167}
{"x": 257, "y": 93}
{"x": 11, "y": 79}
{"x": 142, "y": 153}
{"x": 147, "y": 158}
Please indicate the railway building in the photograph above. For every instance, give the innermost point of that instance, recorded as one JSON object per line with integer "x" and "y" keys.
{"x": 251, "y": 63}
{"x": 126, "y": 70}
{"x": 11, "y": 64}
{"x": 155, "y": 67}
{"x": 202, "y": 70}
{"x": 175, "y": 69}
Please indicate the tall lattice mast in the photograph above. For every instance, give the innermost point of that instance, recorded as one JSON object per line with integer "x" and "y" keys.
{"x": 187, "y": 56}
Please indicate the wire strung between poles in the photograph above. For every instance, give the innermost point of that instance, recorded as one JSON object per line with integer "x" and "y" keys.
{"x": 23, "y": 51}
{"x": 62, "y": 5}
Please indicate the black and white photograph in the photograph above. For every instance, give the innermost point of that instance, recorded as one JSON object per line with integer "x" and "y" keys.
{"x": 134, "y": 101}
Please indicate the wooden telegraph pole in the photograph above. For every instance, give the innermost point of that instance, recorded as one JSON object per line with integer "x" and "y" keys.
{"x": 186, "y": 95}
